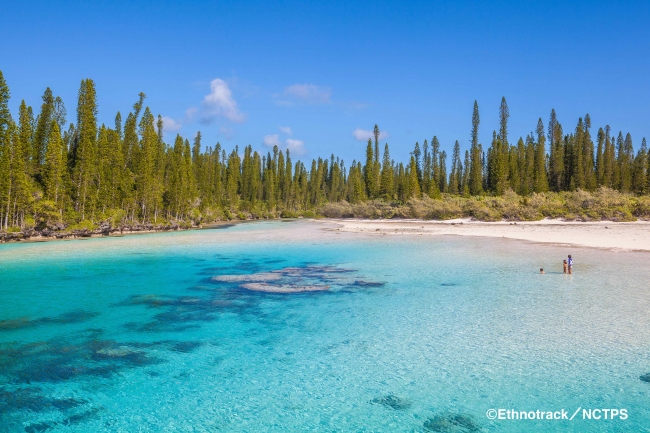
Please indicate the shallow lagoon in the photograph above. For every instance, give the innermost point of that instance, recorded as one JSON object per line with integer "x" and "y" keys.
{"x": 416, "y": 333}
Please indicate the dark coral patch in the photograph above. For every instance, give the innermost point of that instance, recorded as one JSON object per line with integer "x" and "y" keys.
{"x": 186, "y": 346}
{"x": 452, "y": 423}
{"x": 77, "y": 316}
{"x": 33, "y": 400}
{"x": 392, "y": 402}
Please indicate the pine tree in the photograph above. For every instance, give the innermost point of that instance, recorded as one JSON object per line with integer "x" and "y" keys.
{"x": 556, "y": 158}
{"x": 5, "y": 116}
{"x": 609, "y": 159}
{"x": 529, "y": 171}
{"x": 233, "y": 179}
{"x": 600, "y": 158}
{"x": 504, "y": 114}
{"x": 435, "y": 166}
{"x": 6, "y": 124}
{"x": 640, "y": 175}
{"x": 369, "y": 171}
{"x": 626, "y": 161}
{"x": 54, "y": 168}
{"x": 84, "y": 164}
{"x": 442, "y": 164}
{"x": 42, "y": 132}
{"x": 465, "y": 183}
{"x": 524, "y": 188}
{"x": 540, "y": 176}
{"x": 377, "y": 166}
{"x": 456, "y": 175}
{"x": 414, "y": 185}
{"x": 476, "y": 166}
{"x": 26, "y": 133}
{"x": 588, "y": 157}
{"x": 416, "y": 156}
{"x": 386, "y": 188}
{"x": 514, "y": 174}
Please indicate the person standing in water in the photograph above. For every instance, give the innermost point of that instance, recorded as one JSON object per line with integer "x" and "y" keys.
{"x": 566, "y": 266}
{"x": 570, "y": 263}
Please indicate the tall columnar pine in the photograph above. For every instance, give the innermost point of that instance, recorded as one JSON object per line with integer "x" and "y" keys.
{"x": 442, "y": 164}
{"x": 588, "y": 162}
{"x": 5, "y": 153}
{"x": 556, "y": 157}
{"x": 416, "y": 155}
{"x": 386, "y": 187}
{"x": 465, "y": 183}
{"x": 42, "y": 133}
{"x": 625, "y": 158}
{"x": 456, "y": 176}
{"x": 476, "y": 163}
{"x": 51, "y": 171}
{"x": 514, "y": 170}
{"x": 369, "y": 171}
{"x": 26, "y": 134}
{"x": 600, "y": 158}
{"x": 55, "y": 168}
{"x": 414, "y": 184}
{"x": 609, "y": 160}
{"x": 640, "y": 175}
{"x": 86, "y": 147}
{"x": 377, "y": 165}
{"x": 540, "y": 175}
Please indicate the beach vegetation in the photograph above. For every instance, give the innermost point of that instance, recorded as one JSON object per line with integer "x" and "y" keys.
{"x": 81, "y": 175}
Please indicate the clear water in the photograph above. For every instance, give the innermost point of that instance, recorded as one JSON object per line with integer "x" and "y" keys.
{"x": 131, "y": 334}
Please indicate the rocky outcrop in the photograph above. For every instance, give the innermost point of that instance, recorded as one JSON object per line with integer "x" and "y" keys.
{"x": 61, "y": 231}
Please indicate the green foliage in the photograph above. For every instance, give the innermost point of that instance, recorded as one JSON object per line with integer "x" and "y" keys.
{"x": 84, "y": 174}
{"x": 82, "y": 225}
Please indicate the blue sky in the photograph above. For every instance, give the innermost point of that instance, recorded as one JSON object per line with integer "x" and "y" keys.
{"x": 309, "y": 74}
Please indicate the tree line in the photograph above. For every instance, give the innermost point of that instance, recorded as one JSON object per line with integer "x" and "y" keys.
{"x": 54, "y": 172}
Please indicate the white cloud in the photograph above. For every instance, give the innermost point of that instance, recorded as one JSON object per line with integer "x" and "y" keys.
{"x": 364, "y": 135}
{"x": 296, "y": 147}
{"x": 286, "y": 130}
{"x": 220, "y": 103}
{"x": 171, "y": 125}
{"x": 271, "y": 140}
{"x": 309, "y": 93}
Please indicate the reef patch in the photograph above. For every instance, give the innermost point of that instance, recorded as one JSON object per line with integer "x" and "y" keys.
{"x": 392, "y": 402}
{"x": 452, "y": 423}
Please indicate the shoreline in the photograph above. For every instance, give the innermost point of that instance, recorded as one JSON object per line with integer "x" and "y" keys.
{"x": 618, "y": 236}
{"x": 114, "y": 232}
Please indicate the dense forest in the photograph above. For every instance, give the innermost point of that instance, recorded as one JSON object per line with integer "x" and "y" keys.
{"x": 65, "y": 175}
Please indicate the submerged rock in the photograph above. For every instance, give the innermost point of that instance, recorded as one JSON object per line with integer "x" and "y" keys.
{"x": 392, "y": 401}
{"x": 21, "y": 322}
{"x": 452, "y": 423}
{"x": 249, "y": 278}
{"x": 282, "y": 288}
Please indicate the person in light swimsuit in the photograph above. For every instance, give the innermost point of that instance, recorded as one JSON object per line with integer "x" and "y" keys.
{"x": 570, "y": 264}
{"x": 566, "y": 266}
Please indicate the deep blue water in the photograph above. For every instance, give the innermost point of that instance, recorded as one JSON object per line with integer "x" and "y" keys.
{"x": 415, "y": 333}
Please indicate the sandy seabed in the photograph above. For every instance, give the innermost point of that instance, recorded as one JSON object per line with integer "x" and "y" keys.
{"x": 602, "y": 234}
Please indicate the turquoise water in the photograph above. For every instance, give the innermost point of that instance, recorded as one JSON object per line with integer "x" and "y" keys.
{"x": 415, "y": 334}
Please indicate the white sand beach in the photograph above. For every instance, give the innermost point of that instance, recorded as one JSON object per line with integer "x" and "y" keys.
{"x": 602, "y": 234}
